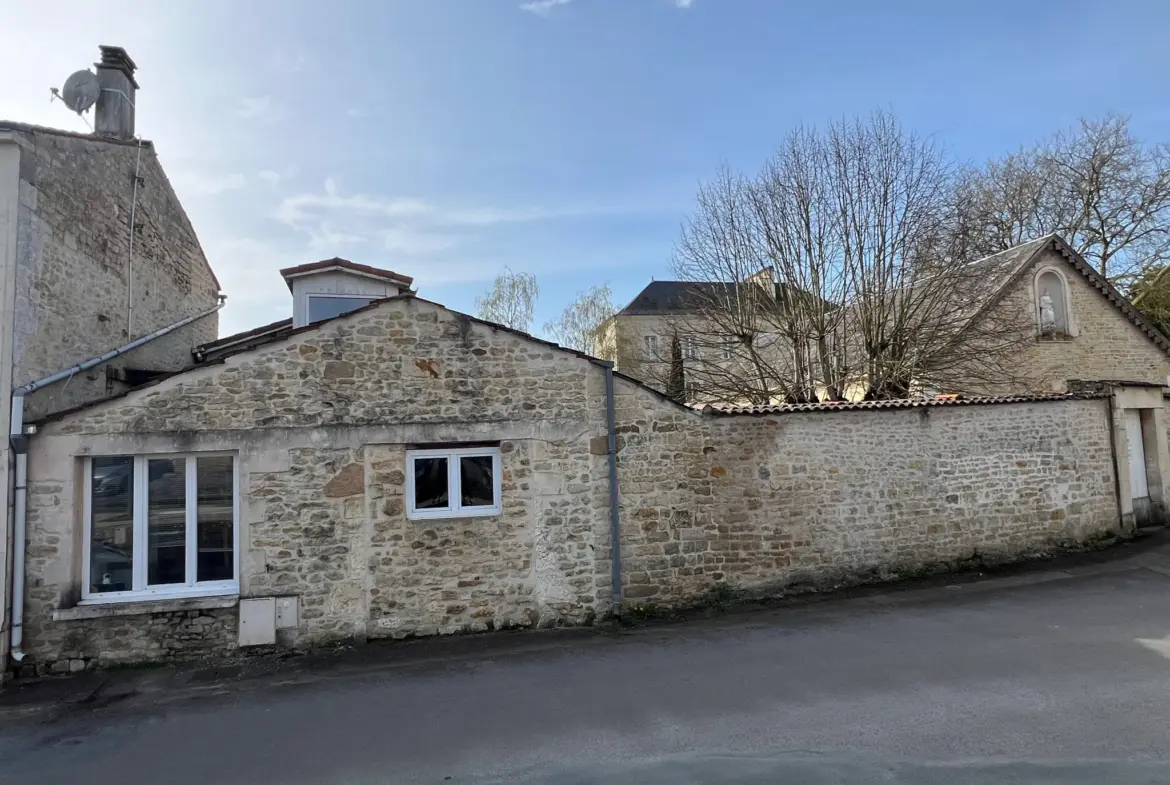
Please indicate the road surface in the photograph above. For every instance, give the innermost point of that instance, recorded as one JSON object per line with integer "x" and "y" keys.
{"x": 1055, "y": 677}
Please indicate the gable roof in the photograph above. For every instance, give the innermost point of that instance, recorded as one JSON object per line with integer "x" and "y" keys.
{"x": 1013, "y": 263}
{"x": 218, "y": 351}
{"x": 683, "y": 297}
{"x": 337, "y": 263}
{"x": 662, "y": 297}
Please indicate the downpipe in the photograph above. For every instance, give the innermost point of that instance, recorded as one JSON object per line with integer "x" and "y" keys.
{"x": 615, "y": 541}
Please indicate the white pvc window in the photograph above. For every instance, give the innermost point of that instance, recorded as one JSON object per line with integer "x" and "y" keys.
{"x": 327, "y": 306}
{"x": 159, "y": 526}
{"x": 651, "y": 344}
{"x": 453, "y": 483}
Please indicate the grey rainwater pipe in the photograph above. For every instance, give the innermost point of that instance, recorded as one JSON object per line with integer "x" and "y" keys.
{"x": 615, "y": 542}
{"x": 19, "y": 441}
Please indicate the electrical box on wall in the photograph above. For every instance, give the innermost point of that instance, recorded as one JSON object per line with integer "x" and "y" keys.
{"x": 258, "y": 622}
{"x": 286, "y": 613}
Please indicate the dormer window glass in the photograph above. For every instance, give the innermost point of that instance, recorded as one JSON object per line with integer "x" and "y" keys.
{"x": 327, "y": 306}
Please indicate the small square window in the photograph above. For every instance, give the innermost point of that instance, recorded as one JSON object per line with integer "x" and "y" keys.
{"x": 454, "y": 483}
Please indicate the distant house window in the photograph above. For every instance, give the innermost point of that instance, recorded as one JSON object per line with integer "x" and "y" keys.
{"x": 651, "y": 342}
{"x": 159, "y": 526}
{"x": 1053, "y": 314}
{"x": 690, "y": 348}
{"x": 327, "y": 306}
{"x": 454, "y": 483}
{"x": 728, "y": 348}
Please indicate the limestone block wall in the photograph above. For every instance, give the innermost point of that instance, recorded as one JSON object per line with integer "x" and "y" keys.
{"x": 73, "y": 283}
{"x": 816, "y": 497}
{"x": 320, "y": 425}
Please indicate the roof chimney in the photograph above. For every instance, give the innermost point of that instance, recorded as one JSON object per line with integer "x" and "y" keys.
{"x": 114, "y": 115}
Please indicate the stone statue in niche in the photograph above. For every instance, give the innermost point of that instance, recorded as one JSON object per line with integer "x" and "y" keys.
{"x": 1047, "y": 313}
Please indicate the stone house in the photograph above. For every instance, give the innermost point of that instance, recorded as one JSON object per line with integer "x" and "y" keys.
{"x": 103, "y": 284}
{"x": 401, "y": 469}
{"x": 1094, "y": 331}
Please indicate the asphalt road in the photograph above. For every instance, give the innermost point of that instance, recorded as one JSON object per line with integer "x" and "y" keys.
{"x": 1062, "y": 680}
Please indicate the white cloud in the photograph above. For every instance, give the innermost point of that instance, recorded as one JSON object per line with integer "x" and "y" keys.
{"x": 198, "y": 183}
{"x": 413, "y": 242}
{"x": 683, "y": 3}
{"x": 262, "y": 109}
{"x": 273, "y": 178}
{"x": 542, "y": 7}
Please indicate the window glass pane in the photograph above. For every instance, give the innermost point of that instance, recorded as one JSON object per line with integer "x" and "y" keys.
{"x": 214, "y": 491}
{"x": 430, "y": 483}
{"x": 477, "y": 488}
{"x": 166, "y": 521}
{"x": 328, "y": 307}
{"x": 111, "y": 544}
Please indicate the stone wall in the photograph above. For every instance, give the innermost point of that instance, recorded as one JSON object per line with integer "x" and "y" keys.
{"x": 760, "y": 503}
{"x": 321, "y": 422}
{"x": 73, "y": 284}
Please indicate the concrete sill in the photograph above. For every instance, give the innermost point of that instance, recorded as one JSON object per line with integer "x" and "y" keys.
{"x": 144, "y": 607}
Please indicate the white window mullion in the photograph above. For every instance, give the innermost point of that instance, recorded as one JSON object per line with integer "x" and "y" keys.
{"x": 192, "y": 541}
{"x": 87, "y": 543}
{"x": 140, "y": 500}
{"x": 453, "y": 496}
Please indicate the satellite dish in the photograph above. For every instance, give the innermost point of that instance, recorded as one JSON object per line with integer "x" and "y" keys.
{"x": 81, "y": 90}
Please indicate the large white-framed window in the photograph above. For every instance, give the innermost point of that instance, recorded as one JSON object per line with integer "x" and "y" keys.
{"x": 457, "y": 482}
{"x": 327, "y": 306}
{"x": 160, "y": 526}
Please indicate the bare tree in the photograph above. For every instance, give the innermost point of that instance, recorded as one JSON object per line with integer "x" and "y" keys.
{"x": 579, "y": 325}
{"x": 833, "y": 271}
{"x": 1101, "y": 188}
{"x": 511, "y": 300}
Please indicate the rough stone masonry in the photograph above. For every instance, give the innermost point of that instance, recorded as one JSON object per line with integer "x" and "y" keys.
{"x": 320, "y": 423}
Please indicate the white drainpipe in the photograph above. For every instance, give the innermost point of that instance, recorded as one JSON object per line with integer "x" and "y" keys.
{"x": 19, "y": 441}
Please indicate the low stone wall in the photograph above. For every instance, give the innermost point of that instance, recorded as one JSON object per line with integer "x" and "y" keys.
{"x": 817, "y": 497}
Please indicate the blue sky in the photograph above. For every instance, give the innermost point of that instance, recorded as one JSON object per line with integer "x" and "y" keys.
{"x": 446, "y": 139}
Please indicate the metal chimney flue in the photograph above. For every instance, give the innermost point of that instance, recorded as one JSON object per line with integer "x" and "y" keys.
{"x": 114, "y": 112}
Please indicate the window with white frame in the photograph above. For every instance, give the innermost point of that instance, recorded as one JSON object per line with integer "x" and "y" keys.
{"x": 728, "y": 348}
{"x": 327, "y": 306}
{"x": 690, "y": 348}
{"x": 651, "y": 344}
{"x": 158, "y": 526}
{"x": 453, "y": 482}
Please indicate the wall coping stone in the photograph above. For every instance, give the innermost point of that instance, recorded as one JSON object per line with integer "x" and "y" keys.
{"x": 141, "y": 607}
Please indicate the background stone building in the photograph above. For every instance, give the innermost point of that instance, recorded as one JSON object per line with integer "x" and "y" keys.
{"x": 95, "y": 253}
{"x": 1095, "y": 332}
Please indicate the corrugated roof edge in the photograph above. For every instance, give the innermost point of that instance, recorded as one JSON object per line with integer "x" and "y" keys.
{"x": 284, "y": 336}
{"x": 905, "y": 403}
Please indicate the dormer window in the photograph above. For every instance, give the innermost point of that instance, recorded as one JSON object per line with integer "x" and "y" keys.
{"x": 326, "y": 306}
{"x": 328, "y": 289}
